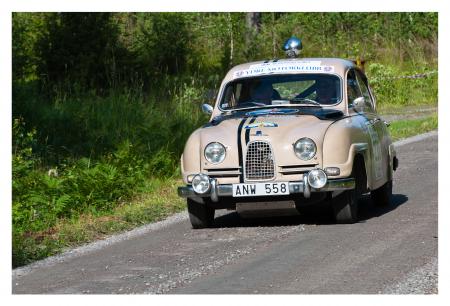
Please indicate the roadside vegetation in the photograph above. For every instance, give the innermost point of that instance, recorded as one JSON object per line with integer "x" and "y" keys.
{"x": 103, "y": 103}
{"x": 406, "y": 128}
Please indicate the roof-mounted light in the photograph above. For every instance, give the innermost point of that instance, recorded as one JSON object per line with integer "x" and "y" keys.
{"x": 292, "y": 47}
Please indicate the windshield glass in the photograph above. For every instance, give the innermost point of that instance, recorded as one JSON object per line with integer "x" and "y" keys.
{"x": 311, "y": 89}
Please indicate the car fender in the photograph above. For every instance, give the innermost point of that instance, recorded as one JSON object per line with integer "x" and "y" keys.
{"x": 190, "y": 159}
{"x": 343, "y": 140}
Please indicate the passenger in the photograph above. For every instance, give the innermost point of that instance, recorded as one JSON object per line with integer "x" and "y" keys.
{"x": 326, "y": 91}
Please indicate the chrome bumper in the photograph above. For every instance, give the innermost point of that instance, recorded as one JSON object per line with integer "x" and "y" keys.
{"x": 226, "y": 190}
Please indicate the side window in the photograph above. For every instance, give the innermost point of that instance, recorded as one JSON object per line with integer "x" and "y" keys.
{"x": 362, "y": 80}
{"x": 353, "y": 90}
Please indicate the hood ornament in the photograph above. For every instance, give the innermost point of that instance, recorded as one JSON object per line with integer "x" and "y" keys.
{"x": 292, "y": 47}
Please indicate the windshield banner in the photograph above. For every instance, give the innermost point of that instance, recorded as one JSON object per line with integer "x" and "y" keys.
{"x": 268, "y": 68}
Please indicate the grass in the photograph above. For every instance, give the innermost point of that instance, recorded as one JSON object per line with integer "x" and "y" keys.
{"x": 143, "y": 209}
{"x": 391, "y": 109}
{"x": 407, "y": 128}
{"x": 89, "y": 155}
{"x": 160, "y": 201}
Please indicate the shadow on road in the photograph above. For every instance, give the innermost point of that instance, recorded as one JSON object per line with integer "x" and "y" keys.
{"x": 367, "y": 210}
{"x": 315, "y": 215}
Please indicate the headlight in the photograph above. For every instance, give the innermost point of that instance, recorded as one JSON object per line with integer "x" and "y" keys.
{"x": 215, "y": 152}
{"x": 317, "y": 178}
{"x": 200, "y": 183}
{"x": 305, "y": 148}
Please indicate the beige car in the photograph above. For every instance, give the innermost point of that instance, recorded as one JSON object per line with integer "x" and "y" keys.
{"x": 285, "y": 134}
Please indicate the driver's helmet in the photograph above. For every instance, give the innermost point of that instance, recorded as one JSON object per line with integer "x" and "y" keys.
{"x": 262, "y": 91}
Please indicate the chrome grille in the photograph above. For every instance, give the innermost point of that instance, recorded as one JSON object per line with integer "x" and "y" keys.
{"x": 259, "y": 164}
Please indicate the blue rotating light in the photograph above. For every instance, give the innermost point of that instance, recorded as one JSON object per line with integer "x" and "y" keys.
{"x": 292, "y": 47}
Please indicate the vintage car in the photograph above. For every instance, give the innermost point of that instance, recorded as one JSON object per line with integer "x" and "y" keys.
{"x": 289, "y": 133}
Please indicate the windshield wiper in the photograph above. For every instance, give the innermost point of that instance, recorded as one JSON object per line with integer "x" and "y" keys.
{"x": 250, "y": 105}
{"x": 306, "y": 101}
{"x": 253, "y": 103}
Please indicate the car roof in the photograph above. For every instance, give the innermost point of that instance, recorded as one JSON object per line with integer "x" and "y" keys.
{"x": 281, "y": 66}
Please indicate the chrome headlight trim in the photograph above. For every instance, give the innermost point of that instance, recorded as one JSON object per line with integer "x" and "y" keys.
{"x": 317, "y": 178}
{"x": 201, "y": 183}
{"x": 305, "y": 148}
{"x": 215, "y": 152}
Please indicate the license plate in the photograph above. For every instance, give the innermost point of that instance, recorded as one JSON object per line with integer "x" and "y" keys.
{"x": 260, "y": 189}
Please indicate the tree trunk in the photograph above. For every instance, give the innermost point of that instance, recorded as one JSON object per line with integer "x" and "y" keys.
{"x": 253, "y": 21}
{"x": 253, "y": 26}
{"x": 230, "y": 28}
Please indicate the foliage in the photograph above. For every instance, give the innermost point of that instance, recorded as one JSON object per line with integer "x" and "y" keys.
{"x": 392, "y": 89}
{"x": 79, "y": 49}
{"x": 104, "y": 50}
{"x": 158, "y": 202}
{"x": 407, "y": 128}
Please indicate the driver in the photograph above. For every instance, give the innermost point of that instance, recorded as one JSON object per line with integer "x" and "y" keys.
{"x": 262, "y": 92}
{"x": 325, "y": 91}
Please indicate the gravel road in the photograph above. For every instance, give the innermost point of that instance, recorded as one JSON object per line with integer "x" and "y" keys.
{"x": 391, "y": 250}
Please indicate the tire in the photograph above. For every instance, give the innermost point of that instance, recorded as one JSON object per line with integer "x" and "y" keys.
{"x": 200, "y": 215}
{"x": 381, "y": 197}
{"x": 345, "y": 207}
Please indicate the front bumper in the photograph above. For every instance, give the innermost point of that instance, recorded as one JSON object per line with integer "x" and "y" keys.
{"x": 226, "y": 190}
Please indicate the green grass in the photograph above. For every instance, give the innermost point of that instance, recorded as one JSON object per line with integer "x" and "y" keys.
{"x": 407, "y": 128}
{"x": 394, "y": 92}
{"x": 89, "y": 155}
{"x": 160, "y": 201}
{"x": 392, "y": 109}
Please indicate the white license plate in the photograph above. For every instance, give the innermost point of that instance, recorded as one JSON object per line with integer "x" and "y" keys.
{"x": 260, "y": 189}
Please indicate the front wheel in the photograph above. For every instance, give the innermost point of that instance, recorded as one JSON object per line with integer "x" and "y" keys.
{"x": 382, "y": 196}
{"x": 200, "y": 215}
{"x": 345, "y": 207}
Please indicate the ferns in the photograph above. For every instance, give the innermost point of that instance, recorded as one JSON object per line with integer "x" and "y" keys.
{"x": 86, "y": 185}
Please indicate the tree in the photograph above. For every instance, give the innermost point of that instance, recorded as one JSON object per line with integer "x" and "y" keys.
{"x": 253, "y": 27}
{"x": 78, "y": 50}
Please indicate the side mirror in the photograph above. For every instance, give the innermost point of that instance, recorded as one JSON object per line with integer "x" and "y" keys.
{"x": 207, "y": 109}
{"x": 358, "y": 104}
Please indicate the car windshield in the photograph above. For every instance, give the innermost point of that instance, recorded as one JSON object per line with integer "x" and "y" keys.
{"x": 301, "y": 89}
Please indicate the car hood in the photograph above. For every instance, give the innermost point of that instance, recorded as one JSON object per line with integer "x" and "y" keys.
{"x": 279, "y": 127}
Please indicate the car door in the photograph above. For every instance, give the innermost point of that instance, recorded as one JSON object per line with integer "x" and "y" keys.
{"x": 368, "y": 124}
{"x": 376, "y": 129}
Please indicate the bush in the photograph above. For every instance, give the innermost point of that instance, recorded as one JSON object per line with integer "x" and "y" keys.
{"x": 91, "y": 174}
{"x": 391, "y": 89}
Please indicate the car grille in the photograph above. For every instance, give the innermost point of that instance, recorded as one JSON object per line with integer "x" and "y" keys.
{"x": 223, "y": 172}
{"x": 259, "y": 164}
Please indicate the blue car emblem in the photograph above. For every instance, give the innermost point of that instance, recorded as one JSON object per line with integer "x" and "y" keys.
{"x": 258, "y": 133}
{"x": 261, "y": 124}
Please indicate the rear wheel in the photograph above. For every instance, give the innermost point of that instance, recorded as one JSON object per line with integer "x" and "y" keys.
{"x": 382, "y": 196}
{"x": 200, "y": 215}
